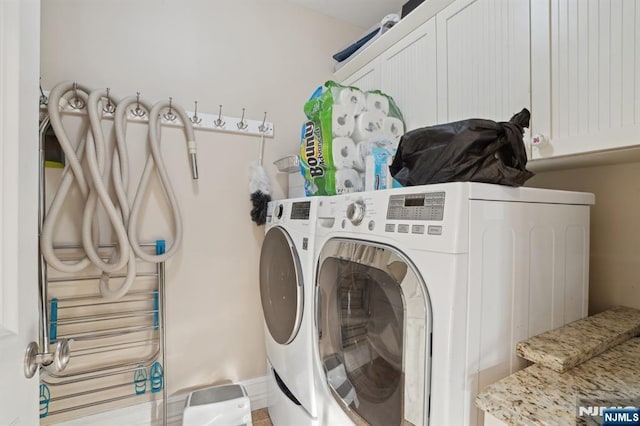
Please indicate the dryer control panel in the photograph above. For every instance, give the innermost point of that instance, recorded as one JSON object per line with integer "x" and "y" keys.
{"x": 419, "y": 206}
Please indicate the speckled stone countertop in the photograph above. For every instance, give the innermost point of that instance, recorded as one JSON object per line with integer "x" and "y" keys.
{"x": 567, "y": 346}
{"x": 540, "y": 396}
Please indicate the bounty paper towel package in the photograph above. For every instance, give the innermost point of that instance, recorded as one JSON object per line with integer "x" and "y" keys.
{"x": 348, "y": 140}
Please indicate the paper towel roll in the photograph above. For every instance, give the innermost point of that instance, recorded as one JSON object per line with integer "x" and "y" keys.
{"x": 353, "y": 99}
{"x": 368, "y": 125}
{"x": 344, "y": 152}
{"x": 342, "y": 121}
{"x": 393, "y": 128}
{"x": 376, "y": 102}
{"x": 362, "y": 149}
{"x": 348, "y": 180}
{"x": 377, "y": 175}
{"x": 371, "y": 180}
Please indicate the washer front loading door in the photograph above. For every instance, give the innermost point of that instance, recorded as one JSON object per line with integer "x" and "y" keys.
{"x": 281, "y": 285}
{"x": 374, "y": 325}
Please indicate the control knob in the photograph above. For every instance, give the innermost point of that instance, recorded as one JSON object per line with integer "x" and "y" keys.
{"x": 356, "y": 211}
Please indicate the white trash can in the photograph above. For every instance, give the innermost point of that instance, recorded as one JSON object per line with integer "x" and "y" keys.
{"x": 222, "y": 405}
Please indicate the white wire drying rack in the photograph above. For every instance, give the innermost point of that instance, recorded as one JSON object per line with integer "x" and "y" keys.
{"x": 117, "y": 350}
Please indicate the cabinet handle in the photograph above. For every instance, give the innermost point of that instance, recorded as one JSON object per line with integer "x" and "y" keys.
{"x": 539, "y": 140}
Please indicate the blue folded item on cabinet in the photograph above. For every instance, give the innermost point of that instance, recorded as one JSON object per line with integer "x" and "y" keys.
{"x": 345, "y": 53}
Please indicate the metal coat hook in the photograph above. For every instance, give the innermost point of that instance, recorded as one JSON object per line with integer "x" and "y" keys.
{"x": 242, "y": 125}
{"x": 110, "y": 107}
{"x": 137, "y": 111}
{"x": 218, "y": 121}
{"x": 263, "y": 127}
{"x": 44, "y": 101}
{"x": 169, "y": 115}
{"x": 76, "y": 103}
{"x": 195, "y": 119}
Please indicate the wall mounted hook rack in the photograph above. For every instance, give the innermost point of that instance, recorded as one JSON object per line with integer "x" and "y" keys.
{"x": 208, "y": 122}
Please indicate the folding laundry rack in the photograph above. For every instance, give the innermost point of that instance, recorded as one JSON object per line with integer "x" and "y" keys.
{"x": 117, "y": 349}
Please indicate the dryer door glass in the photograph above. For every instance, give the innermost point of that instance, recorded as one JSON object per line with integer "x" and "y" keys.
{"x": 281, "y": 285}
{"x": 374, "y": 323}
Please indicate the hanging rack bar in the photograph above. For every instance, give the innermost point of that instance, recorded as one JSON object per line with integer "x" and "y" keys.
{"x": 93, "y": 404}
{"x": 96, "y": 277}
{"x": 104, "y": 317}
{"x": 85, "y": 305}
{"x": 109, "y": 332}
{"x": 90, "y": 392}
{"x": 102, "y": 246}
{"x": 100, "y": 349}
{"x": 101, "y": 372}
{"x": 161, "y": 321}
{"x": 209, "y": 122}
{"x": 96, "y": 297}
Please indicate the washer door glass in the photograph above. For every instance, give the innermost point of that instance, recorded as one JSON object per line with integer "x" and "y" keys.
{"x": 281, "y": 285}
{"x": 374, "y": 323}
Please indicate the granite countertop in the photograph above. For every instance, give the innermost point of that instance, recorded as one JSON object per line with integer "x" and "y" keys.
{"x": 565, "y": 347}
{"x": 540, "y": 396}
{"x": 592, "y": 362}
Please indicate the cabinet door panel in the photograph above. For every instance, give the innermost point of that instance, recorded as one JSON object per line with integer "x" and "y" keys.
{"x": 483, "y": 59}
{"x": 408, "y": 74}
{"x": 366, "y": 78}
{"x": 585, "y": 88}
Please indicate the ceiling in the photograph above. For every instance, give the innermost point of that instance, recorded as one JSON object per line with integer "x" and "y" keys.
{"x": 362, "y": 13}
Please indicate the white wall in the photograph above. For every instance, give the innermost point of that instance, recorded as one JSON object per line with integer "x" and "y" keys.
{"x": 253, "y": 54}
{"x": 615, "y": 229}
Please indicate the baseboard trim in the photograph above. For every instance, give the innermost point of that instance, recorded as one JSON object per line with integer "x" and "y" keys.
{"x": 150, "y": 413}
{"x": 257, "y": 390}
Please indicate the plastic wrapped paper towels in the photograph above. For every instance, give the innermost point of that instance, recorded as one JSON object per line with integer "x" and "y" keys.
{"x": 345, "y": 154}
{"x": 349, "y": 140}
{"x": 351, "y": 100}
{"x": 377, "y": 103}
{"x": 343, "y": 120}
{"x": 393, "y": 127}
{"x": 368, "y": 125}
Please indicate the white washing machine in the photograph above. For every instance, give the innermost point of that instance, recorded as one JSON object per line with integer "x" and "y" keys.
{"x": 423, "y": 292}
{"x": 286, "y": 290}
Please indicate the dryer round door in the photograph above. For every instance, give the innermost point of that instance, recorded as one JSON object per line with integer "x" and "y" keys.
{"x": 281, "y": 285}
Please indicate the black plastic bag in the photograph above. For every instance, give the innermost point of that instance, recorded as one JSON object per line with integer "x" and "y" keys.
{"x": 472, "y": 150}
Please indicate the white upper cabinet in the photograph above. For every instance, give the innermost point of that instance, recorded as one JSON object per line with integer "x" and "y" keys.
{"x": 575, "y": 64}
{"x": 470, "y": 60}
{"x": 408, "y": 74}
{"x": 585, "y": 75}
{"x": 483, "y": 59}
{"x": 366, "y": 78}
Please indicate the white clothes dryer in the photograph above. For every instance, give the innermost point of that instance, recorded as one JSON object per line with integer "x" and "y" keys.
{"x": 423, "y": 292}
{"x": 286, "y": 290}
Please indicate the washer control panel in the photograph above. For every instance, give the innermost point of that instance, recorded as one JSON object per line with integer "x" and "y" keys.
{"x": 300, "y": 210}
{"x": 356, "y": 212}
{"x": 421, "y": 206}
